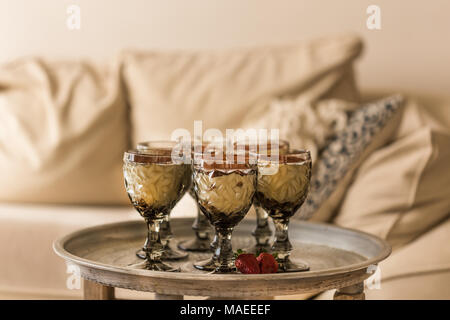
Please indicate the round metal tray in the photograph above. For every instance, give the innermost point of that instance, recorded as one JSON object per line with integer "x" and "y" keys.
{"x": 338, "y": 258}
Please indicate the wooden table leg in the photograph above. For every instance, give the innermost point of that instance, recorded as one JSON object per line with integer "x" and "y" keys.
{"x": 95, "y": 291}
{"x": 354, "y": 292}
{"x": 159, "y": 296}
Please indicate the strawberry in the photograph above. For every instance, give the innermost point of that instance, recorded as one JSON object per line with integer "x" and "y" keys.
{"x": 267, "y": 263}
{"x": 247, "y": 263}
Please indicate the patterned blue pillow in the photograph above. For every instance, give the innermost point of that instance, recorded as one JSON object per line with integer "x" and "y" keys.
{"x": 338, "y": 158}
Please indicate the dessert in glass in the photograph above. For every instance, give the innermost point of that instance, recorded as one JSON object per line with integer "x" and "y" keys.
{"x": 154, "y": 182}
{"x": 224, "y": 187}
{"x": 165, "y": 148}
{"x": 262, "y": 232}
{"x": 282, "y": 188}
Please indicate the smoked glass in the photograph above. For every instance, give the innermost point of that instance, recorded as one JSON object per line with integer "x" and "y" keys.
{"x": 154, "y": 183}
{"x": 282, "y": 188}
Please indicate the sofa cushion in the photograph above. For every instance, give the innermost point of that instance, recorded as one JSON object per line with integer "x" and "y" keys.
{"x": 402, "y": 190}
{"x": 369, "y": 128}
{"x": 419, "y": 270}
{"x": 169, "y": 90}
{"x": 63, "y": 132}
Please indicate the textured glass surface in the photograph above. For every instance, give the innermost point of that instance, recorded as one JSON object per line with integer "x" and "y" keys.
{"x": 154, "y": 185}
{"x": 282, "y": 193}
{"x": 225, "y": 197}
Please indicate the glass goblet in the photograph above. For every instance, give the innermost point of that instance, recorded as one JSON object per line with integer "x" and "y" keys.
{"x": 224, "y": 190}
{"x": 282, "y": 188}
{"x": 154, "y": 183}
{"x": 164, "y": 148}
{"x": 212, "y": 263}
{"x": 262, "y": 232}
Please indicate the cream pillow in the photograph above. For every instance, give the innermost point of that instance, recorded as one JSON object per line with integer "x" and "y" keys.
{"x": 63, "y": 130}
{"x": 402, "y": 190}
{"x": 169, "y": 90}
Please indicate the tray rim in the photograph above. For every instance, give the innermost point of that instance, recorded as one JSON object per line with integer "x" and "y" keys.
{"x": 59, "y": 248}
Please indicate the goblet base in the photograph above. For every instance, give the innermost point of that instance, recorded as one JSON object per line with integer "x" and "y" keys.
{"x": 206, "y": 265}
{"x": 288, "y": 265}
{"x": 140, "y": 254}
{"x": 154, "y": 266}
{"x": 169, "y": 254}
{"x": 196, "y": 245}
{"x": 173, "y": 254}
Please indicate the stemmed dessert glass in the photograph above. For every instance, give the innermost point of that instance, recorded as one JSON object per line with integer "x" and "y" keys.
{"x": 154, "y": 182}
{"x": 262, "y": 232}
{"x": 164, "y": 147}
{"x": 283, "y": 185}
{"x": 224, "y": 188}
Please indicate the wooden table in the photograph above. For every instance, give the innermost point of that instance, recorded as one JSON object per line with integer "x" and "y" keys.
{"x": 339, "y": 259}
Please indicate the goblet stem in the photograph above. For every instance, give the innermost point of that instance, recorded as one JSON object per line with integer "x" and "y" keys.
{"x": 165, "y": 234}
{"x": 153, "y": 246}
{"x": 262, "y": 232}
{"x": 283, "y": 248}
{"x": 214, "y": 243}
{"x": 153, "y": 249}
{"x": 224, "y": 251}
{"x": 166, "y": 230}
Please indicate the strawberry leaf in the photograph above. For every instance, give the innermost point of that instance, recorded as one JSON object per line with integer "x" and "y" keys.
{"x": 238, "y": 252}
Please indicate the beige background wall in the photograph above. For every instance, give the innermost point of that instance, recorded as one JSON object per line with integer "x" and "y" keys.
{"x": 411, "y": 51}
